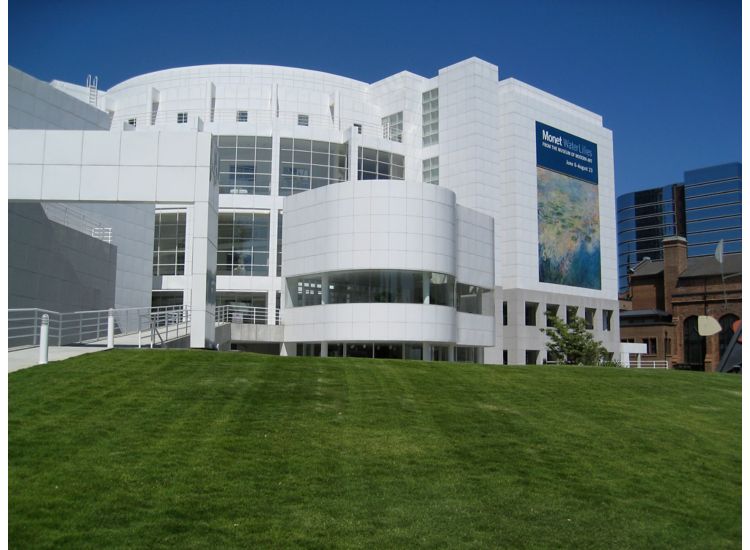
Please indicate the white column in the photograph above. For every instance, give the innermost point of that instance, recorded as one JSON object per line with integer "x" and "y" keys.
{"x": 44, "y": 340}
{"x": 203, "y": 272}
{"x": 425, "y": 288}
{"x": 271, "y": 307}
{"x": 324, "y": 289}
{"x": 354, "y": 142}
{"x": 111, "y": 329}
{"x": 324, "y": 349}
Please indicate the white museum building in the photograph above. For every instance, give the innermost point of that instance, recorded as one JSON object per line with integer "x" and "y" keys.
{"x": 435, "y": 218}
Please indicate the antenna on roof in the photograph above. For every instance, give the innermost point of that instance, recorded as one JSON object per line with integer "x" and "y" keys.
{"x": 92, "y": 84}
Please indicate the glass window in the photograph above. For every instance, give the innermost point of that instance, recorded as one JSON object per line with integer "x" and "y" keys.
{"x": 278, "y": 244}
{"x": 570, "y": 313}
{"x": 359, "y": 350}
{"x": 306, "y": 291}
{"x": 381, "y": 286}
{"x": 308, "y": 350}
{"x": 714, "y": 224}
{"x": 243, "y": 243}
{"x": 709, "y": 249}
{"x": 303, "y": 120}
{"x": 530, "y": 313}
{"x": 589, "y": 314}
{"x": 473, "y": 299}
{"x": 182, "y": 118}
{"x": 650, "y": 345}
{"x": 606, "y": 320}
{"x": 552, "y": 310}
{"x": 169, "y": 244}
{"x": 712, "y": 187}
{"x": 241, "y": 116}
{"x": 430, "y": 117}
{"x": 442, "y": 289}
{"x": 714, "y": 236}
{"x": 306, "y": 164}
{"x": 714, "y": 212}
{"x": 388, "y": 350}
{"x": 440, "y": 353}
{"x": 505, "y": 314}
{"x": 466, "y": 354}
{"x": 694, "y": 343}
{"x": 244, "y": 165}
{"x": 531, "y": 356}
{"x": 132, "y": 122}
{"x": 379, "y": 165}
{"x": 165, "y": 298}
{"x": 714, "y": 200}
{"x": 393, "y": 126}
{"x": 431, "y": 170}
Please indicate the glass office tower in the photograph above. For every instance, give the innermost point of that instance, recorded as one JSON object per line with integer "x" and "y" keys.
{"x": 713, "y": 209}
{"x": 705, "y": 208}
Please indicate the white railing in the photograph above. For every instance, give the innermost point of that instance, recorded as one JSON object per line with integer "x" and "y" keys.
{"x": 164, "y": 324}
{"x": 654, "y": 364}
{"x": 76, "y": 327}
{"x": 154, "y": 326}
{"x": 242, "y": 314}
{"x": 74, "y": 218}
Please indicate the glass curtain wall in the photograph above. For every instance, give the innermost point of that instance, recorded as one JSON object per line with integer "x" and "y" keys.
{"x": 361, "y": 287}
{"x": 306, "y": 164}
{"x": 243, "y": 243}
{"x": 379, "y": 165}
{"x": 430, "y": 117}
{"x": 244, "y": 165}
{"x": 169, "y": 244}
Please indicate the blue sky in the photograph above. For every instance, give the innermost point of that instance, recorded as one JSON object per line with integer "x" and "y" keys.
{"x": 665, "y": 75}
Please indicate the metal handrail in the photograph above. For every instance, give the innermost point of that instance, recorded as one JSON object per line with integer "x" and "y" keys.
{"x": 76, "y": 326}
{"x": 649, "y": 364}
{"x": 76, "y": 219}
{"x": 243, "y": 314}
{"x": 161, "y": 323}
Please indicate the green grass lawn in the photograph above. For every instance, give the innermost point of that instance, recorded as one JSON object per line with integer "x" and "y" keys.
{"x": 193, "y": 449}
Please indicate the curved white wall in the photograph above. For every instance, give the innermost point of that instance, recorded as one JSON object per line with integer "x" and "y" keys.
{"x": 370, "y": 225}
{"x": 270, "y": 94}
{"x": 386, "y": 225}
{"x": 370, "y": 322}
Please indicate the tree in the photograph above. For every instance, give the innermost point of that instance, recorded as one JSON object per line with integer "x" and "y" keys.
{"x": 573, "y": 342}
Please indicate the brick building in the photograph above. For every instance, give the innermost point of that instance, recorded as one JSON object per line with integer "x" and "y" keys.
{"x": 669, "y": 295}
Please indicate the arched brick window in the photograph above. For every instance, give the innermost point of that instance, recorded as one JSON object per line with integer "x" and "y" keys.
{"x": 695, "y": 344}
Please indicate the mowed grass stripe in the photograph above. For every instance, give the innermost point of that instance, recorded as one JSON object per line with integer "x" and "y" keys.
{"x": 193, "y": 449}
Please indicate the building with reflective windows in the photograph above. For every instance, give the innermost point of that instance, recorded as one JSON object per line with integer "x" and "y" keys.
{"x": 705, "y": 208}
{"x": 422, "y": 217}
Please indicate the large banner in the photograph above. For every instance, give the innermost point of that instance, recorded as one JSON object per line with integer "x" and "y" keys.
{"x": 568, "y": 200}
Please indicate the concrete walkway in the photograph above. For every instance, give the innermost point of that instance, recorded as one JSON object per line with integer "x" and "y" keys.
{"x": 28, "y": 357}
{"x": 23, "y": 358}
